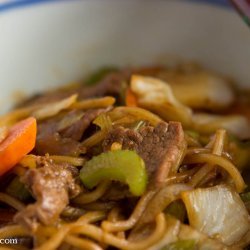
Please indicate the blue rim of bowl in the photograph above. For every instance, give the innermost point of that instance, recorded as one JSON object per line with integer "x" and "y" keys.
{"x": 14, "y": 4}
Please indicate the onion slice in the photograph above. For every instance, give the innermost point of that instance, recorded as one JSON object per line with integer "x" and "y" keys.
{"x": 218, "y": 212}
{"x": 201, "y": 90}
{"x": 52, "y": 109}
{"x": 157, "y": 96}
{"x": 237, "y": 125}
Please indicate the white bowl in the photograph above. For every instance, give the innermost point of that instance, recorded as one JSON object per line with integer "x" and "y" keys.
{"x": 48, "y": 43}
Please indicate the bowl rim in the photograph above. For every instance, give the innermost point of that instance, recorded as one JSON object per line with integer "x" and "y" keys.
{"x": 17, "y": 4}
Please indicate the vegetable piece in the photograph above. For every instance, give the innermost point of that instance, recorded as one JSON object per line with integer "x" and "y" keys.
{"x": 240, "y": 152}
{"x": 19, "y": 142}
{"x": 131, "y": 100}
{"x": 218, "y": 212}
{"x": 201, "y": 90}
{"x": 98, "y": 75}
{"x": 28, "y": 161}
{"x": 52, "y": 109}
{"x": 181, "y": 245}
{"x": 177, "y": 209}
{"x": 72, "y": 213}
{"x": 245, "y": 197}
{"x": 135, "y": 114}
{"x": 176, "y": 233}
{"x": 121, "y": 165}
{"x": 193, "y": 134}
{"x": 235, "y": 124}
{"x": 103, "y": 121}
{"x": 18, "y": 190}
{"x": 203, "y": 242}
{"x": 161, "y": 200}
{"x": 157, "y": 96}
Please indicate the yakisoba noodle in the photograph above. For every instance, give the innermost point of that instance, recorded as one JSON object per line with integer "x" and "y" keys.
{"x": 94, "y": 176}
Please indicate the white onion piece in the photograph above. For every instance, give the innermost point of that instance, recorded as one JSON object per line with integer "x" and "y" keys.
{"x": 218, "y": 212}
{"x": 202, "y": 90}
{"x": 235, "y": 124}
{"x": 157, "y": 96}
{"x": 54, "y": 108}
{"x": 176, "y": 231}
{"x": 202, "y": 241}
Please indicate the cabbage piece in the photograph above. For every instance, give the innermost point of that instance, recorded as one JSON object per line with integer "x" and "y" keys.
{"x": 235, "y": 124}
{"x": 54, "y": 108}
{"x": 218, "y": 212}
{"x": 201, "y": 90}
{"x": 180, "y": 236}
{"x": 202, "y": 241}
{"x": 157, "y": 96}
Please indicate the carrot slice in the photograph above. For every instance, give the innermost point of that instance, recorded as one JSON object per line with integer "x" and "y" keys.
{"x": 20, "y": 141}
{"x": 131, "y": 100}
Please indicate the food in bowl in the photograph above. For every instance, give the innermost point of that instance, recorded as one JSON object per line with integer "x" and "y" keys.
{"x": 136, "y": 158}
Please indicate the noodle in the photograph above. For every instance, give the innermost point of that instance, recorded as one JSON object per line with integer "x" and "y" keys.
{"x": 114, "y": 214}
{"x": 94, "y": 195}
{"x": 13, "y": 231}
{"x": 135, "y": 216}
{"x": 94, "y": 139}
{"x": 222, "y": 162}
{"x": 94, "y": 103}
{"x": 102, "y": 236}
{"x": 86, "y": 193}
{"x": 81, "y": 243}
{"x": 16, "y": 115}
{"x": 55, "y": 240}
{"x": 181, "y": 177}
{"x": 217, "y": 149}
{"x": 60, "y": 235}
{"x": 191, "y": 151}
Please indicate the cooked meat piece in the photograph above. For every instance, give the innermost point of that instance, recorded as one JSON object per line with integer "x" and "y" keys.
{"x": 161, "y": 147}
{"x": 58, "y": 136}
{"x": 51, "y": 185}
{"x": 76, "y": 130}
{"x": 54, "y": 144}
